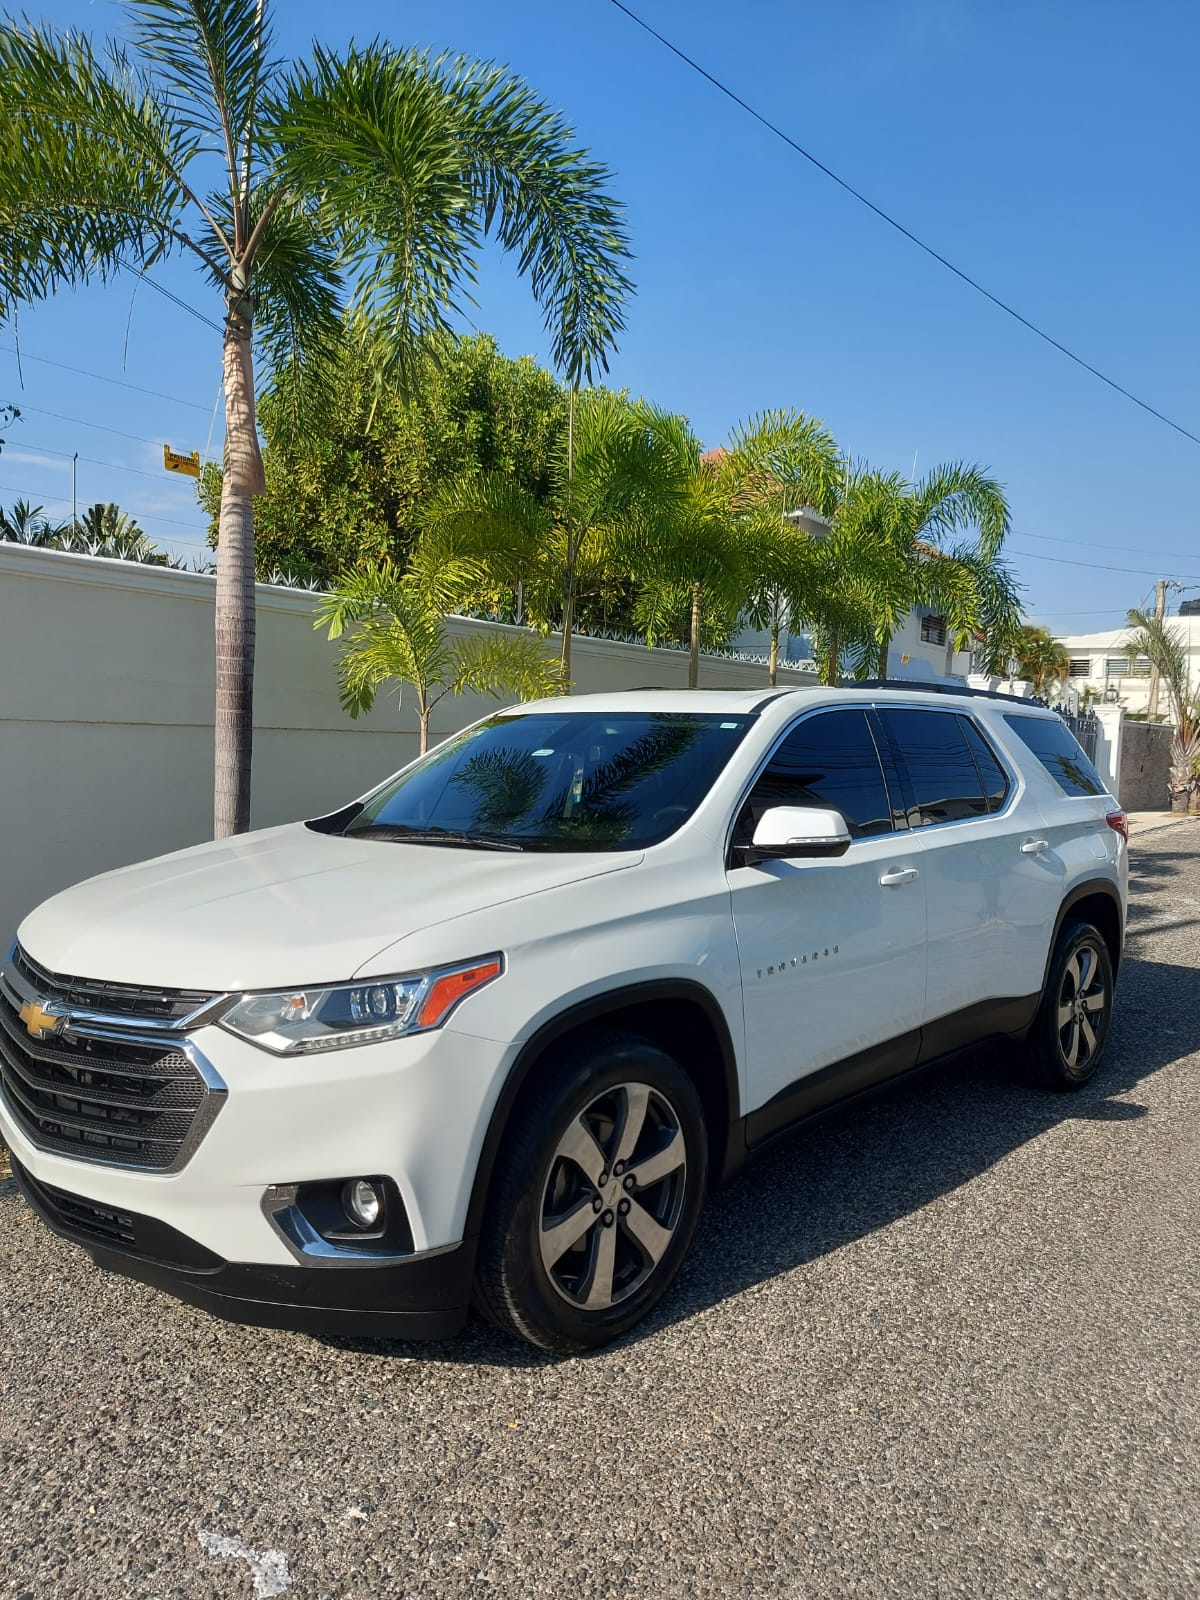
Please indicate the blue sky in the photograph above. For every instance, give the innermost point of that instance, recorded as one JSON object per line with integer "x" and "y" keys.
{"x": 1048, "y": 148}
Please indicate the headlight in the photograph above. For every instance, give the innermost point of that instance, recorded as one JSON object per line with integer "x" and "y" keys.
{"x": 298, "y": 1021}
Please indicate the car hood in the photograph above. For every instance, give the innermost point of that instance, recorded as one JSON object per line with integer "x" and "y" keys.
{"x": 284, "y": 906}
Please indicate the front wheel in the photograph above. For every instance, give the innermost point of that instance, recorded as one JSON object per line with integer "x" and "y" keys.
{"x": 1070, "y": 1036}
{"x": 596, "y": 1196}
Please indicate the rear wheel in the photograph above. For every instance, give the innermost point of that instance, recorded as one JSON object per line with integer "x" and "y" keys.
{"x": 596, "y": 1196}
{"x": 1070, "y": 1036}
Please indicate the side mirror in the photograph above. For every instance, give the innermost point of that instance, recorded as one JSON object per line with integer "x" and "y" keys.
{"x": 785, "y": 833}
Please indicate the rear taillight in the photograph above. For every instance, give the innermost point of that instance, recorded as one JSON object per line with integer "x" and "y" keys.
{"x": 1119, "y": 823}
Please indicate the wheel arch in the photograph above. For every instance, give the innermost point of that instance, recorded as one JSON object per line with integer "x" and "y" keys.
{"x": 1099, "y": 902}
{"x": 681, "y": 1016}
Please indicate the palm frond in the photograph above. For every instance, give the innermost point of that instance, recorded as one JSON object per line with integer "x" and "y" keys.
{"x": 93, "y": 168}
{"x": 214, "y": 59}
{"x": 958, "y": 496}
{"x": 414, "y": 158}
{"x": 787, "y": 458}
{"x": 503, "y": 664}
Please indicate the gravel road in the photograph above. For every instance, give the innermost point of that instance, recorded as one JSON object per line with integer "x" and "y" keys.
{"x": 948, "y": 1346}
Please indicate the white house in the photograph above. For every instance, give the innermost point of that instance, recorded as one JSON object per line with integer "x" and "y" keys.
{"x": 1098, "y": 663}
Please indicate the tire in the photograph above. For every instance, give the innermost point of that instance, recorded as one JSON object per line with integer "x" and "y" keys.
{"x": 1066, "y": 1045}
{"x": 621, "y": 1242}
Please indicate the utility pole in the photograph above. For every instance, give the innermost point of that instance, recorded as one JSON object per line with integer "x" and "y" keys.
{"x": 74, "y": 513}
{"x": 1160, "y": 611}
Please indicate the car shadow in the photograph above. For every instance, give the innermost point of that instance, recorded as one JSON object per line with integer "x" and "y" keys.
{"x": 866, "y": 1167}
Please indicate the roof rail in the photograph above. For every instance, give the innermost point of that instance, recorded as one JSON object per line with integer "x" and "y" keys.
{"x": 916, "y": 685}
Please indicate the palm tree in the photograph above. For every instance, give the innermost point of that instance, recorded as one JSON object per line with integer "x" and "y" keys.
{"x": 677, "y": 538}
{"x": 893, "y": 534}
{"x": 369, "y": 177}
{"x": 25, "y": 524}
{"x": 781, "y": 465}
{"x": 601, "y": 473}
{"x": 1043, "y": 661}
{"x": 105, "y": 530}
{"x": 1151, "y": 637}
{"x": 398, "y": 623}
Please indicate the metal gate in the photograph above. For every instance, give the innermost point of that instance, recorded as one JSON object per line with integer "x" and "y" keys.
{"x": 1085, "y": 725}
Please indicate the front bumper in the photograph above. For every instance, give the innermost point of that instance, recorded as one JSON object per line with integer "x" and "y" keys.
{"x": 423, "y": 1296}
{"x": 413, "y": 1110}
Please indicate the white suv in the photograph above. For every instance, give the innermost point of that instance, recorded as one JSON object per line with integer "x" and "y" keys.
{"x": 489, "y": 1034}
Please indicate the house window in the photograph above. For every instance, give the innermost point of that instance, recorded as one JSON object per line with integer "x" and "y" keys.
{"x": 1080, "y": 667}
{"x": 933, "y": 630}
{"x": 1122, "y": 667}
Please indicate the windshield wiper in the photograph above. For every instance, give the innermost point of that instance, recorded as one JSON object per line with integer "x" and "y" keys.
{"x": 402, "y": 835}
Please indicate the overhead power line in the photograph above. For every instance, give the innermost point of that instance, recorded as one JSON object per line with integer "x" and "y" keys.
{"x": 82, "y": 422}
{"x": 892, "y": 222}
{"x": 1093, "y": 566}
{"x": 150, "y": 516}
{"x": 120, "y": 383}
{"x": 92, "y": 461}
{"x": 168, "y": 294}
{"x": 1092, "y": 544}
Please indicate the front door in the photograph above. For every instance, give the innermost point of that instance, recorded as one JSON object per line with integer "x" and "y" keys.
{"x": 832, "y": 951}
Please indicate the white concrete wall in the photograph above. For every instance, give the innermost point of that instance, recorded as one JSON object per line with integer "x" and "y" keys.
{"x": 106, "y": 712}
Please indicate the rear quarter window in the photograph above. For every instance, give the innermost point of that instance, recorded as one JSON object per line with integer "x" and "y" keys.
{"x": 1057, "y": 748}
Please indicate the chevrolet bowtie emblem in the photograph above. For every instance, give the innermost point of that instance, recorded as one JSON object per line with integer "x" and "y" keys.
{"x": 42, "y": 1021}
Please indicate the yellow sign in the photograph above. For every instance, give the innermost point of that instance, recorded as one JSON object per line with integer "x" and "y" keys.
{"x": 188, "y": 465}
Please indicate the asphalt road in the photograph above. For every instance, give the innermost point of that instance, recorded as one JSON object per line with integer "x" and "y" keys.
{"x": 948, "y": 1346}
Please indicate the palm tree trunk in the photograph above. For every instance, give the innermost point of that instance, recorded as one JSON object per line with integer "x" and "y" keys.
{"x": 568, "y": 624}
{"x": 423, "y": 729}
{"x": 773, "y": 666}
{"x": 569, "y": 576}
{"x": 234, "y": 711}
{"x": 694, "y": 654}
{"x": 884, "y": 651}
{"x": 833, "y": 660}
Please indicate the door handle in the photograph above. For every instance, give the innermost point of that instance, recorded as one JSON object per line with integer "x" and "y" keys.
{"x": 1035, "y": 847}
{"x": 899, "y": 875}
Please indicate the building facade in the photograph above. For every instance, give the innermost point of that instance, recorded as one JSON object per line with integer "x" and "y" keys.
{"x": 1101, "y": 669}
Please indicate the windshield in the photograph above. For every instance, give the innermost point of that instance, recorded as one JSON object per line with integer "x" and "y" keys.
{"x": 570, "y": 780}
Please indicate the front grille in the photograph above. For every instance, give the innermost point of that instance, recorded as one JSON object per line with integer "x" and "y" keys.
{"x": 93, "y": 1092}
{"x": 117, "y": 999}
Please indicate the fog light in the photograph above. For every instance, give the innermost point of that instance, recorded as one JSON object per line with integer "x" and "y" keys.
{"x": 362, "y": 1203}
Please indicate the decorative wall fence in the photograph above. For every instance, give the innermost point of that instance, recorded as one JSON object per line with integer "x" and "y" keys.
{"x": 106, "y": 704}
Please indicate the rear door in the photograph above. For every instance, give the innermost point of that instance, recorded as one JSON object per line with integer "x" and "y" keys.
{"x": 992, "y": 888}
{"x": 832, "y": 951}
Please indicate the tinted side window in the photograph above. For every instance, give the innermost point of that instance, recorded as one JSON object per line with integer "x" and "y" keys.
{"x": 829, "y": 760}
{"x": 1056, "y": 747}
{"x": 995, "y": 779}
{"x": 946, "y": 786}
